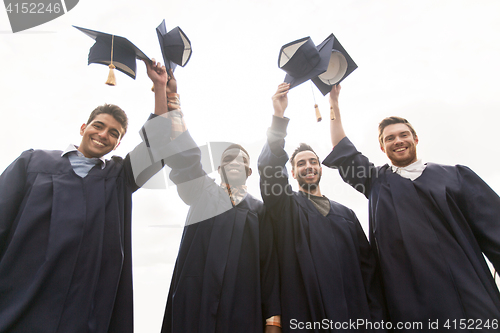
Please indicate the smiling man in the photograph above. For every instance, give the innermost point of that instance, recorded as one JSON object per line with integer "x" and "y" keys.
{"x": 225, "y": 275}
{"x": 328, "y": 273}
{"x": 430, "y": 225}
{"x": 65, "y": 224}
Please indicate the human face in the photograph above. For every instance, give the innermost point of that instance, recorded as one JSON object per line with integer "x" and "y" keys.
{"x": 307, "y": 170}
{"x": 100, "y": 136}
{"x": 235, "y": 167}
{"x": 399, "y": 144}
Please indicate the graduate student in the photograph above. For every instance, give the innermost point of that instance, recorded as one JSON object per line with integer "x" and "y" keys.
{"x": 225, "y": 276}
{"x": 65, "y": 223}
{"x": 328, "y": 273}
{"x": 431, "y": 225}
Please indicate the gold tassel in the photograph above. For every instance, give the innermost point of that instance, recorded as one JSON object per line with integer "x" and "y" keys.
{"x": 332, "y": 113}
{"x": 111, "y": 76}
{"x": 318, "y": 115}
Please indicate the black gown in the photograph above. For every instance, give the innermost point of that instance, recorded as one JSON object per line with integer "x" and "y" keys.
{"x": 328, "y": 273}
{"x": 65, "y": 242}
{"x": 225, "y": 276}
{"x": 430, "y": 235}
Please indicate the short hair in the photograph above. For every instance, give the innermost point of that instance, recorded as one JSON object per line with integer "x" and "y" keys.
{"x": 112, "y": 110}
{"x": 300, "y": 148}
{"x": 235, "y": 145}
{"x": 390, "y": 121}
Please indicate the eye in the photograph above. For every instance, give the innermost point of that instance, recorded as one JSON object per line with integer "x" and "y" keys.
{"x": 114, "y": 134}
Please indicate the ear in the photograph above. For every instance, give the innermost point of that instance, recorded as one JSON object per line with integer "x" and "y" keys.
{"x": 293, "y": 173}
{"x": 117, "y": 145}
{"x": 82, "y": 129}
{"x": 249, "y": 173}
{"x": 416, "y": 139}
{"x": 382, "y": 148}
{"x": 218, "y": 169}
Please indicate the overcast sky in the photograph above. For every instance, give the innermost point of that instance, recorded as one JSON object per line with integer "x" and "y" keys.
{"x": 432, "y": 62}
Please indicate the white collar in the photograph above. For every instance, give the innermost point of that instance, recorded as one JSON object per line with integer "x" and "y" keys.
{"x": 74, "y": 148}
{"x": 412, "y": 171}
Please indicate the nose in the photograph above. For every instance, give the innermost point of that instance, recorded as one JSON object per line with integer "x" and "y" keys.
{"x": 103, "y": 133}
{"x": 398, "y": 140}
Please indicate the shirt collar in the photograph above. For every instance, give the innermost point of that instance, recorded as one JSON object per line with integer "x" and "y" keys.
{"x": 412, "y": 171}
{"x": 74, "y": 149}
{"x": 236, "y": 193}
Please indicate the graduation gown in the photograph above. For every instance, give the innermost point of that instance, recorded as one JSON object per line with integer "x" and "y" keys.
{"x": 328, "y": 273}
{"x": 65, "y": 244}
{"x": 430, "y": 235}
{"x": 224, "y": 278}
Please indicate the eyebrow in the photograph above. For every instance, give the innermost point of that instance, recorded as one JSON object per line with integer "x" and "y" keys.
{"x": 111, "y": 129}
{"x": 308, "y": 159}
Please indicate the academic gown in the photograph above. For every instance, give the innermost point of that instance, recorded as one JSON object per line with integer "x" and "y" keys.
{"x": 65, "y": 244}
{"x": 328, "y": 273}
{"x": 225, "y": 277}
{"x": 430, "y": 235}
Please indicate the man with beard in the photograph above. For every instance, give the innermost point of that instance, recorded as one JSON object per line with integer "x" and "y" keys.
{"x": 328, "y": 273}
{"x": 225, "y": 276}
{"x": 430, "y": 225}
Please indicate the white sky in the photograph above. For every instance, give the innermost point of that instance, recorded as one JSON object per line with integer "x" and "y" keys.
{"x": 432, "y": 62}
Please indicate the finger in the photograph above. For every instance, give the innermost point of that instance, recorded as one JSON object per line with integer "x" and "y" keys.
{"x": 171, "y": 74}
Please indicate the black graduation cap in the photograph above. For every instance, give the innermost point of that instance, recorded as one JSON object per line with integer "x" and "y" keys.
{"x": 301, "y": 60}
{"x": 339, "y": 67}
{"x": 175, "y": 46}
{"x": 114, "y": 51}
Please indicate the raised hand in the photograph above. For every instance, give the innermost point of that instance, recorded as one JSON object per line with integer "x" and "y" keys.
{"x": 280, "y": 99}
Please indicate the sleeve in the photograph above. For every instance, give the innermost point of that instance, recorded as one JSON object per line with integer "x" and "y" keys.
{"x": 274, "y": 185}
{"x": 354, "y": 168}
{"x": 370, "y": 271}
{"x": 269, "y": 269}
{"x": 187, "y": 171}
{"x": 12, "y": 193}
{"x": 147, "y": 157}
{"x": 481, "y": 207}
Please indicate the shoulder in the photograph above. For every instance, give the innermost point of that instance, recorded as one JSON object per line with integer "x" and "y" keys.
{"x": 341, "y": 210}
{"x": 254, "y": 204}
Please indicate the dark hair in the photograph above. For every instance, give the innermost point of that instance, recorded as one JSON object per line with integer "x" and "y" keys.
{"x": 113, "y": 110}
{"x": 390, "y": 121}
{"x": 235, "y": 145}
{"x": 300, "y": 148}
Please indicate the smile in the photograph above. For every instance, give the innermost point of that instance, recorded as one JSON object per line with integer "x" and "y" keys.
{"x": 99, "y": 143}
{"x": 400, "y": 149}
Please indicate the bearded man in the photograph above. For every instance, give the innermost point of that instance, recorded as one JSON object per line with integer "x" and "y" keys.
{"x": 430, "y": 225}
{"x": 328, "y": 273}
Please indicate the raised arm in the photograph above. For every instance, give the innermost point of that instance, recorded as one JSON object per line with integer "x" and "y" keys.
{"x": 274, "y": 184}
{"x": 158, "y": 74}
{"x": 336, "y": 129}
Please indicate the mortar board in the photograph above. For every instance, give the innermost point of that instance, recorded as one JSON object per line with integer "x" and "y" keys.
{"x": 114, "y": 51}
{"x": 301, "y": 60}
{"x": 339, "y": 67}
{"x": 175, "y": 46}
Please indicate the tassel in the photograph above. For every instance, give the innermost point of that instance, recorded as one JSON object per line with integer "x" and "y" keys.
{"x": 318, "y": 115}
{"x": 332, "y": 113}
{"x": 111, "y": 76}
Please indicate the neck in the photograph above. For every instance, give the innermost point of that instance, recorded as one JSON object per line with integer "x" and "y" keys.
{"x": 312, "y": 191}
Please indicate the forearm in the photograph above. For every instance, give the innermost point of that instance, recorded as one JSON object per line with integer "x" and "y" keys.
{"x": 336, "y": 129}
{"x": 160, "y": 99}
